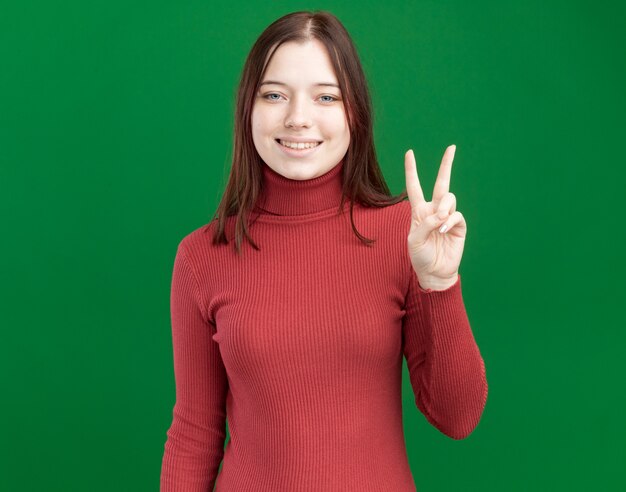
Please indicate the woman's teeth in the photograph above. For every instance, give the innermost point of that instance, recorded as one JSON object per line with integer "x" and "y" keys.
{"x": 294, "y": 145}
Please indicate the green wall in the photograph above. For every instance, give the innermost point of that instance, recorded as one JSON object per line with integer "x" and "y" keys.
{"x": 115, "y": 141}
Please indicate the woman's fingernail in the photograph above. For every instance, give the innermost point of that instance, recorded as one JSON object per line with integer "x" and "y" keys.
{"x": 443, "y": 228}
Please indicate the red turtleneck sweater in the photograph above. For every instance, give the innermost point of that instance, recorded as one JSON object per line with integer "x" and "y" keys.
{"x": 300, "y": 345}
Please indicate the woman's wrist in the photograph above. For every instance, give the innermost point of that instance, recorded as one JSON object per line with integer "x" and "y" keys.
{"x": 437, "y": 283}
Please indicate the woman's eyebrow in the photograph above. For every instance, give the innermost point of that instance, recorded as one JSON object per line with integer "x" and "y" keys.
{"x": 275, "y": 82}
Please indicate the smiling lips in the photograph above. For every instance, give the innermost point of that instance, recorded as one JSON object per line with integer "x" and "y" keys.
{"x": 298, "y": 145}
{"x": 297, "y": 148}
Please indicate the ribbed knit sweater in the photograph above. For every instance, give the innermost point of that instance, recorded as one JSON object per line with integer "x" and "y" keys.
{"x": 300, "y": 345}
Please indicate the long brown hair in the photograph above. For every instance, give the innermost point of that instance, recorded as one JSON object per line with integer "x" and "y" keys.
{"x": 362, "y": 178}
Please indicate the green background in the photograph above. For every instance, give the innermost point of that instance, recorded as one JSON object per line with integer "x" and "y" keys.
{"x": 115, "y": 142}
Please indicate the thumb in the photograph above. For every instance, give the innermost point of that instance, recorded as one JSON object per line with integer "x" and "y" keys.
{"x": 427, "y": 226}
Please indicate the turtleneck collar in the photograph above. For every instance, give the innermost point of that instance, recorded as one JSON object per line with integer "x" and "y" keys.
{"x": 283, "y": 196}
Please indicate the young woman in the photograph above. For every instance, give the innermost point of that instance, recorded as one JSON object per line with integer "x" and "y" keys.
{"x": 297, "y": 334}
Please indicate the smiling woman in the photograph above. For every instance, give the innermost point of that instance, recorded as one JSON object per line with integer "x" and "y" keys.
{"x": 297, "y": 338}
{"x": 299, "y": 125}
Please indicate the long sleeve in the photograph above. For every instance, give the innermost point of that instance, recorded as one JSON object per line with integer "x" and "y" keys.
{"x": 446, "y": 369}
{"x": 195, "y": 439}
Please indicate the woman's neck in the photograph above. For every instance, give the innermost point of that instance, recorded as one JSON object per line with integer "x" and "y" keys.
{"x": 283, "y": 196}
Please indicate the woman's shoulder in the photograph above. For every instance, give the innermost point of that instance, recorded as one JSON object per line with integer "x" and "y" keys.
{"x": 393, "y": 216}
{"x": 209, "y": 261}
{"x": 199, "y": 241}
{"x": 388, "y": 225}
{"x": 399, "y": 209}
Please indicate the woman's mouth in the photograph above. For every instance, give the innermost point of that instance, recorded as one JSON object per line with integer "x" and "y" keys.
{"x": 297, "y": 149}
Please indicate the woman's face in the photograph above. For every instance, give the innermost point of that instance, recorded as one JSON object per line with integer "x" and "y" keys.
{"x": 290, "y": 106}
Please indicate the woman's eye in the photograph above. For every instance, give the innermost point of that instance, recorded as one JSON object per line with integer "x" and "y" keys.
{"x": 267, "y": 96}
{"x": 332, "y": 97}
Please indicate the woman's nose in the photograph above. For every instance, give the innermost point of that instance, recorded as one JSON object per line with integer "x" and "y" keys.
{"x": 298, "y": 113}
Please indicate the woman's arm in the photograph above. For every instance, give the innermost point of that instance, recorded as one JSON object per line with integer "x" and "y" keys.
{"x": 195, "y": 439}
{"x": 446, "y": 369}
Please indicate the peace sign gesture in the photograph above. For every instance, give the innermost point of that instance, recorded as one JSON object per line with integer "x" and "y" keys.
{"x": 437, "y": 232}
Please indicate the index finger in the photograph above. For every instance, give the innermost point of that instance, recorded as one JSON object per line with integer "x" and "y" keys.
{"x": 413, "y": 188}
{"x": 442, "y": 185}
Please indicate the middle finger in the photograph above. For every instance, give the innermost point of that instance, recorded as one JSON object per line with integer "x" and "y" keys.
{"x": 442, "y": 185}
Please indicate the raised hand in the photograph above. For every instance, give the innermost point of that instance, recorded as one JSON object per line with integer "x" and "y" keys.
{"x": 437, "y": 233}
